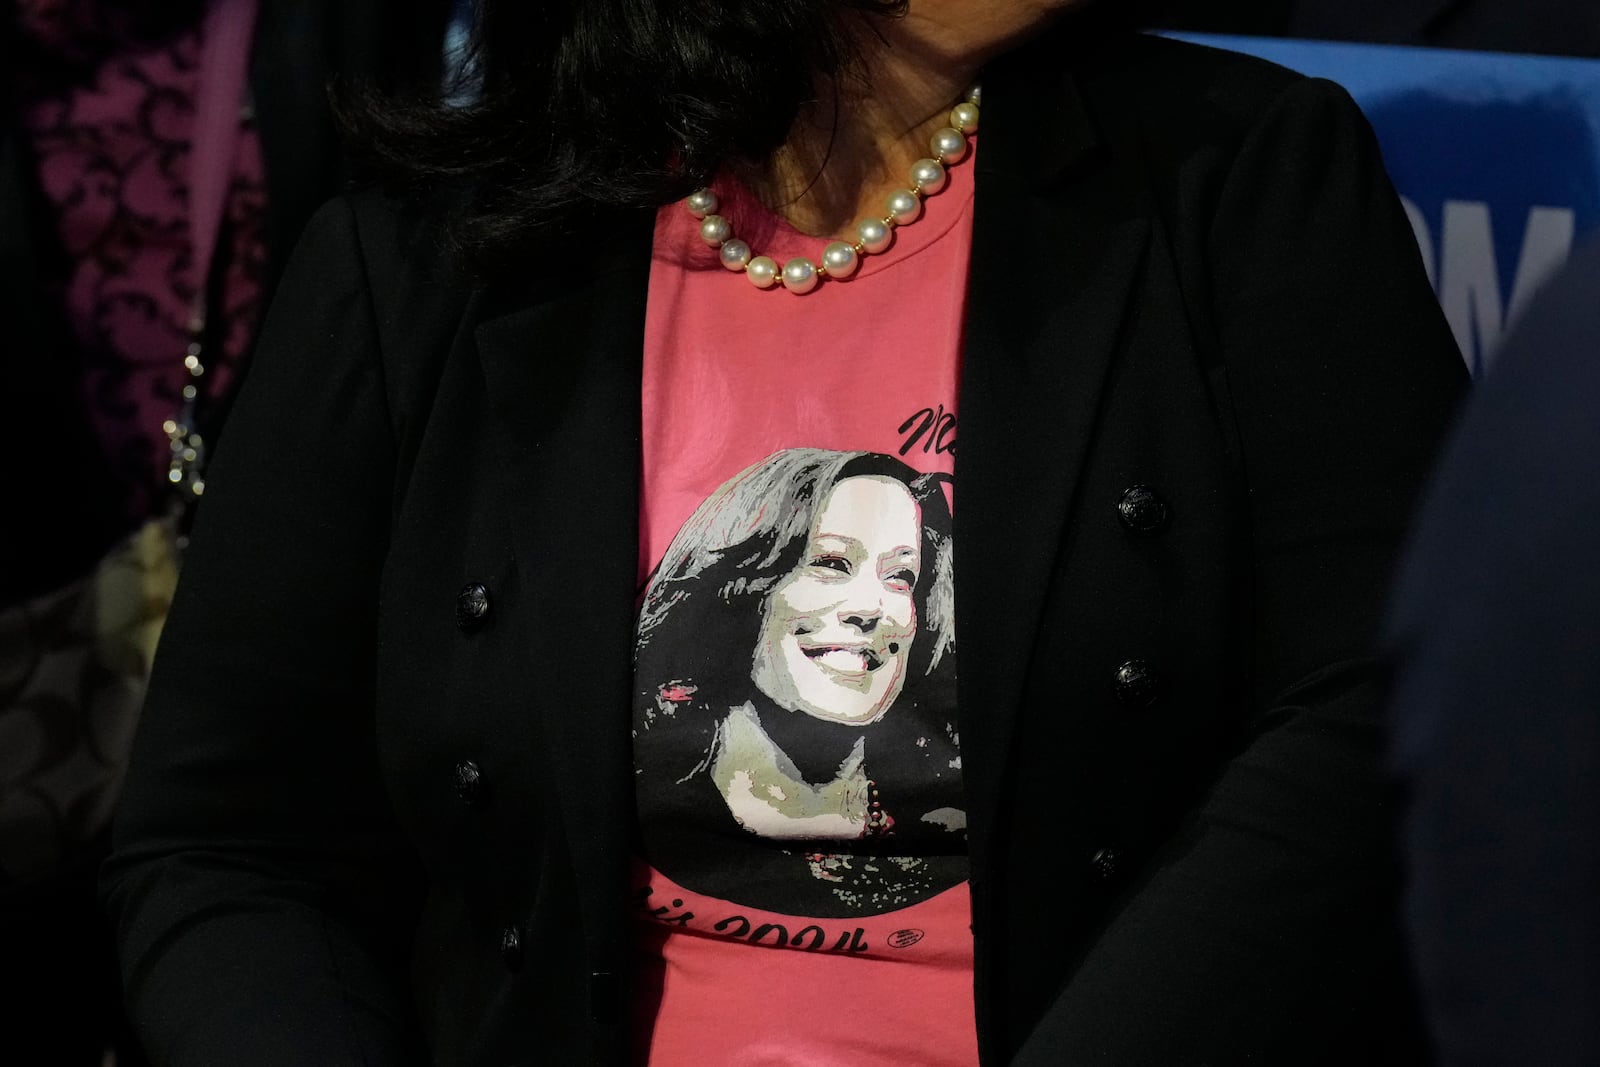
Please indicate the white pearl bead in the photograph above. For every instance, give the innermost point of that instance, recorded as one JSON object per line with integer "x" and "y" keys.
{"x": 874, "y": 235}
{"x": 702, "y": 202}
{"x": 840, "y": 259}
{"x": 715, "y": 230}
{"x": 735, "y": 254}
{"x": 904, "y": 206}
{"x": 799, "y": 275}
{"x": 762, "y": 272}
{"x": 965, "y": 118}
{"x": 928, "y": 176}
{"x": 975, "y": 95}
{"x": 948, "y": 145}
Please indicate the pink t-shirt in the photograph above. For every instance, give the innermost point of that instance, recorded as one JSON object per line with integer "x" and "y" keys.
{"x": 802, "y": 894}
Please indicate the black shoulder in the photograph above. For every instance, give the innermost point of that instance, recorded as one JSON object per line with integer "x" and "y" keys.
{"x": 405, "y": 238}
{"x": 420, "y": 294}
{"x": 1231, "y": 82}
{"x": 1179, "y": 114}
{"x": 1180, "y": 93}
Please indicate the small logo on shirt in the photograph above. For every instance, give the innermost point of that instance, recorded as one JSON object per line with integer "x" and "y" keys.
{"x": 903, "y": 938}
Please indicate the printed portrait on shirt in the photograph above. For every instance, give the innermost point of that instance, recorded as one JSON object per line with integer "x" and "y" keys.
{"x": 794, "y": 734}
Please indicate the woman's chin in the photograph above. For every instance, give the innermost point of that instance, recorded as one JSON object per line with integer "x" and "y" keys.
{"x": 844, "y": 716}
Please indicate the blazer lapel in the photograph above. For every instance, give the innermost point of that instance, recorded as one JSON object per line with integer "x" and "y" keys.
{"x": 1057, "y": 244}
{"x": 563, "y": 377}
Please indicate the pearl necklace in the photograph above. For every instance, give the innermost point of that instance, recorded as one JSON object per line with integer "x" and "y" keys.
{"x": 873, "y": 235}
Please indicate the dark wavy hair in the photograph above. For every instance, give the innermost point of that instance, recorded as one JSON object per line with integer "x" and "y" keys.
{"x": 606, "y": 103}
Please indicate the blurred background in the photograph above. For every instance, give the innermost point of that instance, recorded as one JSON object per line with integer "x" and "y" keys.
{"x": 158, "y": 159}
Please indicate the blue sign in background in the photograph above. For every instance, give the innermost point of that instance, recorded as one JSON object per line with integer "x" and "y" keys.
{"x": 1496, "y": 156}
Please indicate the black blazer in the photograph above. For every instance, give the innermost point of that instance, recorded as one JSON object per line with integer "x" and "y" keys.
{"x": 364, "y": 827}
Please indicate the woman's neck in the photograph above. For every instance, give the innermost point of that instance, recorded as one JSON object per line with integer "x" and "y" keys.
{"x": 854, "y": 144}
{"x": 817, "y": 747}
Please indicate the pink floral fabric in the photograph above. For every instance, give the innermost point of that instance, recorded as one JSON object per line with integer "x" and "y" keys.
{"x": 107, "y": 91}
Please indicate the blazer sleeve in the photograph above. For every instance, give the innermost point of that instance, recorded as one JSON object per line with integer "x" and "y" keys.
{"x": 258, "y": 883}
{"x": 1496, "y": 639}
{"x": 1264, "y": 911}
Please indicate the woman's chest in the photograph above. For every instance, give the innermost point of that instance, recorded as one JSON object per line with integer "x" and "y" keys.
{"x": 509, "y": 599}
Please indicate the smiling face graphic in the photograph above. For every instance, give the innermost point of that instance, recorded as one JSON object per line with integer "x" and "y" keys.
{"x": 837, "y": 631}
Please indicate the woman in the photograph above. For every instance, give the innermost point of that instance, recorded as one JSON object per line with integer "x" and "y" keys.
{"x": 1198, "y": 374}
{"x": 834, "y": 570}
